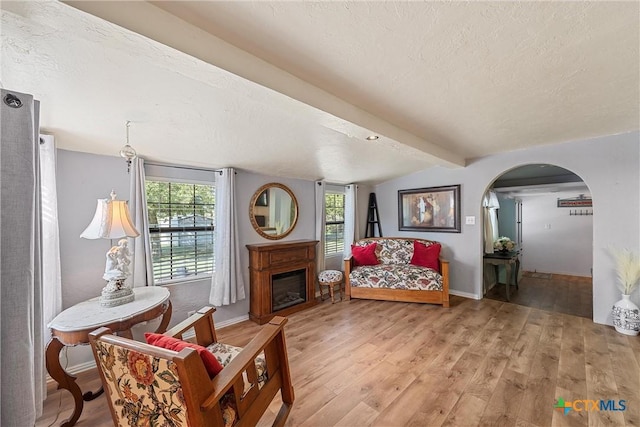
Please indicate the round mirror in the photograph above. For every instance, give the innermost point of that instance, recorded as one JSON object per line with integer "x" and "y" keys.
{"x": 273, "y": 211}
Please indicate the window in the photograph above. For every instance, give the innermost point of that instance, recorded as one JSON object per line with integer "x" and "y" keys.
{"x": 181, "y": 225}
{"x": 334, "y": 223}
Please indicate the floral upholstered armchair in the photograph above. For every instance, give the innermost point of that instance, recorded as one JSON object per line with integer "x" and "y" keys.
{"x": 206, "y": 383}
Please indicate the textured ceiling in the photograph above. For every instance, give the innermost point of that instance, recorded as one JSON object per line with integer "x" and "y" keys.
{"x": 475, "y": 77}
{"x": 292, "y": 88}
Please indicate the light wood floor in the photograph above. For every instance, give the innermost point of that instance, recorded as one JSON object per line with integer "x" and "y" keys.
{"x": 361, "y": 363}
{"x": 552, "y": 292}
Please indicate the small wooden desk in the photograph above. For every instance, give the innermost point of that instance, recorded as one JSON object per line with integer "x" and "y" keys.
{"x": 507, "y": 259}
{"x": 73, "y": 325}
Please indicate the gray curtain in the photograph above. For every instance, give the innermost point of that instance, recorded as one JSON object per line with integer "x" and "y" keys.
{"x": 21, "y": 346}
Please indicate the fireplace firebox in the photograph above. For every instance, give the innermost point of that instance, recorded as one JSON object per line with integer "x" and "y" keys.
{"x": 288, "y": 289}
{"x": 282, "y": 278}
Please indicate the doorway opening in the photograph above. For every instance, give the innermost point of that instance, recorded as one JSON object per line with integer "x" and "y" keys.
{"x": 547, "y": 212}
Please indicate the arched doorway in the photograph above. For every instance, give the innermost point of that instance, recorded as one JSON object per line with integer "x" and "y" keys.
{"x": 546, "y": 210}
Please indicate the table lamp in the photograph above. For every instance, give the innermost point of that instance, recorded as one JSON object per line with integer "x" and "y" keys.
{"x": 112, "y": 221}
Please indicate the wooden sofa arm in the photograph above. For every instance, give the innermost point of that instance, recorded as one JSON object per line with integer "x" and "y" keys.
{"x": 444, "y": 271}
{"x": 269, "y": 340}
{"x": 348, "y": 262}
{"x": 202, "y": 324}
{"x": 348, "y": 266}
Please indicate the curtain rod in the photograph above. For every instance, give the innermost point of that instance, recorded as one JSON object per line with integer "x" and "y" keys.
{"x": 166, "y": 165}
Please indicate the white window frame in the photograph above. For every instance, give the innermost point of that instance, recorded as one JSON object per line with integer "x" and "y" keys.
{"x": 334, "y": 189}
{"x": 182, "y": 175}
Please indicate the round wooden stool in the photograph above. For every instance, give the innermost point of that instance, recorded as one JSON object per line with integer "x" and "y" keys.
{"x": 331, "y": 278}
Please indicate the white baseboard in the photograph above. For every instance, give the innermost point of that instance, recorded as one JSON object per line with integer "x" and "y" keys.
{"x": 219, "y": 325}
{"x": 464, "y": 294}
{"x": 233, "y": 321}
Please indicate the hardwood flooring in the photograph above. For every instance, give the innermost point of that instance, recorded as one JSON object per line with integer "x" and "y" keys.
{"x": 478, "y": 363}
{"x": 552, "y": 292}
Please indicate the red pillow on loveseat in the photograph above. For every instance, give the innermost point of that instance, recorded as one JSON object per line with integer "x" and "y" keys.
{"x": 364, "y": 255}
{"x": 426, "y": 256}
{"x": 170, "y": 343}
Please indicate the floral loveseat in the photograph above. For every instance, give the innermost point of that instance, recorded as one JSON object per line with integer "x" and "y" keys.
{"x": 397, "y": 269}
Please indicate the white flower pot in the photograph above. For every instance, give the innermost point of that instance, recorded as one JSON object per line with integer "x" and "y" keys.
{"x": 626, "y": 316}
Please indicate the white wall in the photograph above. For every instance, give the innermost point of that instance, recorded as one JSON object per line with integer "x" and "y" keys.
{"x": 83, "y": 178}
{"x": 610, "y": 166}
{"x": 553, "y": 240}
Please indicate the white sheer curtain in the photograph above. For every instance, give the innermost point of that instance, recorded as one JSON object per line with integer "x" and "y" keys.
{"x": 320, "y": 219}
{"x": 490, "y": 206}
{"x": 351, "y": 226}
{"x": 141, "y": 265}
{"x": 51, "y": 276}
{"x": 22, "y": 372}
{"x": 227, "y": 285}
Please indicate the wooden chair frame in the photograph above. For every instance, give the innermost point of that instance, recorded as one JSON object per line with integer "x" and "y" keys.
{"x": 202, "y": 394}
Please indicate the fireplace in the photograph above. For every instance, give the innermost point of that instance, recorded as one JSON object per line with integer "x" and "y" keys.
{"x": 288, "y": 289}
{"x": 282, "y": 278}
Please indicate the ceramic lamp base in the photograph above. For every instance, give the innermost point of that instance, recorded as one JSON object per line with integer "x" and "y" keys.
{"x": 115, "y": 294}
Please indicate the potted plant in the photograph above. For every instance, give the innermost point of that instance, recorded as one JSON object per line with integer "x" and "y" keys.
{"x": 626, "y": 315}
{"x": 503, "y": 244}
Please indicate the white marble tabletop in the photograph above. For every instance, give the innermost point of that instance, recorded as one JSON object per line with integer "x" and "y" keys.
{"x": 90, "y": 314}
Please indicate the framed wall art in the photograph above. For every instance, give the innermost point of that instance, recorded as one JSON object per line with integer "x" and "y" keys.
{"x": 429, "y": 209}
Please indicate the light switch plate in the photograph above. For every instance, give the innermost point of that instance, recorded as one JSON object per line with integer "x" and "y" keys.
{"x": 471, "y": 220}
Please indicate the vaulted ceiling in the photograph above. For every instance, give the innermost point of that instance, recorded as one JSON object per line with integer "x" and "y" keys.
{"x": 293, "y": 88}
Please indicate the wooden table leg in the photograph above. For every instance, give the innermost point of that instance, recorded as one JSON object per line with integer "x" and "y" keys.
{"x": 126, "y": 333}
{"x": 507, "y": 268}
{"x": 64, "y": 380}
{"x": 166, "y": 317}
{"x": 90, "y": 395}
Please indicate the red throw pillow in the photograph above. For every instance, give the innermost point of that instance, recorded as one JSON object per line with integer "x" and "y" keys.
{"x": 426, "y": 256}
{"x": 365, "y": 255}
{"x": 170, "y": 343}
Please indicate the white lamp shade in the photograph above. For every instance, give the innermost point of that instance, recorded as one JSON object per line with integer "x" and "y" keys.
{"x": 111, "y": 221}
